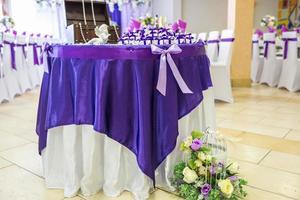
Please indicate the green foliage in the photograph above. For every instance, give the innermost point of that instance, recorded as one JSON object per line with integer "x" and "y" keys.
{"x": 178, "y": 170}
{"x": 191, "y": 164}
{"x": 214, "y": 195}
{"x": 188, "y": 192}
{"x": 197, "y": 134}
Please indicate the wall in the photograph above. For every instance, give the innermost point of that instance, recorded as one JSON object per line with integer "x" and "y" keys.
{"x": 169, "y": 8}
{"x": 205, "y": 15}
{"x": 262, "y": 8}
{"x": 29, "y": 17}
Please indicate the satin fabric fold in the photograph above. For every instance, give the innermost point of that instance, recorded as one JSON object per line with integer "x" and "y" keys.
{"x": 118, "y": 96}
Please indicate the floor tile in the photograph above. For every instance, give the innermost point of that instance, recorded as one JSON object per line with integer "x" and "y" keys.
{"x": 245, "y": 152}
{"x": 25, "y": 156}
{"x": 257, "y": 194}
{"x": 271, "y": 180}
{"x": 8, "y": 141}
{"x": 293, "y": 135}
{"x": 281, "y": 123}
{"x": 19, "y": 184}
{"x": 4, "y": 163}
{"x": 255, "y": 128}
{"x": 282, "y": 161}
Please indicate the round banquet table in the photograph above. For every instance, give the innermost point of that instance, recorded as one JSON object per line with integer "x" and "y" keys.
{"x": 104, "y": 125}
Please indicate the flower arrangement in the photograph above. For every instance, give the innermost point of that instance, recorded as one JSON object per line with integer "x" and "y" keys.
{"x": 269, "y": 22}
{"x": 202, "y": 176}
{"x": 7, "y": 22}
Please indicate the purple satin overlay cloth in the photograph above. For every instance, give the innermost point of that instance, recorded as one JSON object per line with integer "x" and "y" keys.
{"x": 286, "y": 45}
{"x": 266, "y": 42}
{"x": 12, "y": 53}
{"x": 113, "y": 88}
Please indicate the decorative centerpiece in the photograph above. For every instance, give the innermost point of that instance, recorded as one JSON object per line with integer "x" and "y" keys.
{"x": 7, "y": 23}
{"x": 203, "y": 175}
{"x": 141, "y": 33}
{"x": 269, "y": 22}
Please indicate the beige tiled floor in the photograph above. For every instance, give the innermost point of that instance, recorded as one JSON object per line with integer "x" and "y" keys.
{"x": 262, "y": 128}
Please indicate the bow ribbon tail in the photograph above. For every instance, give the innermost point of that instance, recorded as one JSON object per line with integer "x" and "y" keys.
{"x": 286, "y": 45}
{"x": 182, "y": 85}
{"x": 266, "y": 50}
{"x": 13, "y": 56}
{"x": 162, "y": 75}
{"x": 35, "y": 55}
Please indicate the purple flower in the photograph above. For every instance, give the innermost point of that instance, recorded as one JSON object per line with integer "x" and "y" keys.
{"x": 205, "y": 189}
{"x": 196, "y": 144}
{"x": 233, "y": 178}
{"x": 212, "y": 170}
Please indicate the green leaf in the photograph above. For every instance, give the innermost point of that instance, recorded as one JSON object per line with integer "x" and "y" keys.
{"x": 197, "y": 134}
{"x": 191, "y": 164}
{"x": 178, "y": 170}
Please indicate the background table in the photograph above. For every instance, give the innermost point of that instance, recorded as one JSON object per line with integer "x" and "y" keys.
{"x": 111, "y": 90}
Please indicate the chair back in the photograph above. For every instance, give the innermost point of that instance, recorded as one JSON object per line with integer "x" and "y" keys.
{"x": 212, "y": 45}
{"x": 269, "y": 46}
{"x": 202, "y": 36}
{"x": 226, "y": 46}
{"x": 289, "y": 45}
{"x": 255, "y": 46}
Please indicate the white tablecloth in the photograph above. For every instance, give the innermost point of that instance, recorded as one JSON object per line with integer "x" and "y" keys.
{"x": 76, "y": 157}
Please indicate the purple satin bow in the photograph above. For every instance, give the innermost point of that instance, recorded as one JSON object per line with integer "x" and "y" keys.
{"x": 23, "y": 49}
{"x": 255, "y": 41}
{"x": 227, "y": 40}
{"x": 267, "y": 47}
{"x": 35, "y": 55}
{"x": 12, "y": 53}
{"x": 165, "y": 56}
{"x": 286, "y": 45}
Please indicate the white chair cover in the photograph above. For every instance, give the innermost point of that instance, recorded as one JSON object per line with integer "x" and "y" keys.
{"x": 220, "y": 70}
{"x": 3, "y": 88}
{"x": 212, "y": 45}
{"x": 22, "y": 67}
{"x": 77, "y": 157}
{"x": 202, "y": 36}
{"x": 10, "y": 74}
{"x": 33, "y": 69}
{"x": 290, "y": 74}
{"x": 257, "y": 61}
{"x": 272, "y": 65}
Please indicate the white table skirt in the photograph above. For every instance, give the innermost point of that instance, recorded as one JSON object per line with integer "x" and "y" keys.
{"x": 76, "y": 157}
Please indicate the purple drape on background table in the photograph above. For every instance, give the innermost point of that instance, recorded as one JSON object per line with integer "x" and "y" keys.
{"x": 113, "y": 88}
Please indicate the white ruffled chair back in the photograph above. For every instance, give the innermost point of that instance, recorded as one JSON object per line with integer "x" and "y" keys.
{"x": 3, "y": 88}
{"x": 272, "y": 65}
{"x": 226, "y": 45}
{"x": 220, "y": 70}
{"x": 257, "y": 61}
{"x": 212, "y": 45}
{"x": 33, "y": 69}
{"x": 290, "y": 74}
{"x": 202, "y": 36}
{"x": 10, "y": 74}
{"x": 22, "y": 67}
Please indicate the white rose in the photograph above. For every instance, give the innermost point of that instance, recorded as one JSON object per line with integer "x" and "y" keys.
{"x": 202, "y": 156}
{"x": 208, "y": 158}
{"x": 190, "y": 176}
{"x": 234, "y": 167}
{"x": 188, "y": 142}
{"x": 198, "y": 163}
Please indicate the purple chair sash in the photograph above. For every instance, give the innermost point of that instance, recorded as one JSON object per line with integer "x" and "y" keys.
{"x": 213, "y": 41}
{"x": 266, "y": 42}
{"x": 12, "y": 53}
{"x": 286, "y": 45}
{"x": 255, "y": 41}
{"x": 23, "y": 46}
{"x": 112, "y": 88}
{"x": 227, "y": 40}
{"x": 35, "y": 55}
